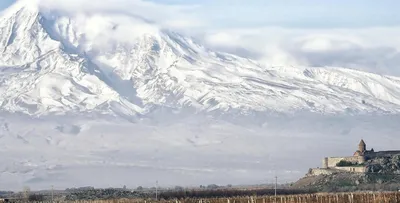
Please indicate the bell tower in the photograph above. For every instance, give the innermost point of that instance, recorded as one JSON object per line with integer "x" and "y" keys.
{"x": 362, "y": 146}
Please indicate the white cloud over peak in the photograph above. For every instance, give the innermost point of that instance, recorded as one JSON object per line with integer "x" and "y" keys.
{"x": 374, "y": 49}
{"x": 164, "y": 15}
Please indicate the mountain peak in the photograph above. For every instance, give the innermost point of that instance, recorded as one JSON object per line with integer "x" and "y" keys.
{"x": 22, "y": 10}
{"x": 27, "y": 5}
{"x": 21, "y": 33}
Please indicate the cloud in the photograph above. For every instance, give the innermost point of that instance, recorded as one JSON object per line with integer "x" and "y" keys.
{"x": 108, "y": 22}
{"x": 374, "y": 49}
{"x": 369, "y": 49}
{"x": 174, "y": 16}
{"x": 107, "y": 29}
{"x": 352, "y": 50}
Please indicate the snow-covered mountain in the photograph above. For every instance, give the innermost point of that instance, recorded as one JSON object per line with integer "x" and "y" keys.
{"x": 55, "y": 62}
{"x": 84, "y": 65}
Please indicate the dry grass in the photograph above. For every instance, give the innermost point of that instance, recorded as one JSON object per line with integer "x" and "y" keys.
{"x": 360, "y": 197}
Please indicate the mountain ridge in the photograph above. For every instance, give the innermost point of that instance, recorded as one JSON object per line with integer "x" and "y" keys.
{"x": 121, "y": 65}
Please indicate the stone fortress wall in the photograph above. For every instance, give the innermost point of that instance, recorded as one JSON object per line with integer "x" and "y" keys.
{"x": 381, "y": 154}
{"x": 330, "y": 162}
{"x": 356, "y": 169}
{"x": 319, "y": 171}
{"x": 329, "y": 171}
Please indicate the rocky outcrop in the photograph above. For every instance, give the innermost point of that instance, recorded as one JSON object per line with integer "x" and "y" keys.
{"x": 346, "y": 182}
{"x": 384, "y": 165}
{"x": 382, "y": 173}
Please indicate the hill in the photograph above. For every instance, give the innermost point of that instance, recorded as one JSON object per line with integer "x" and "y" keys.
{"x": 382, "y": 174}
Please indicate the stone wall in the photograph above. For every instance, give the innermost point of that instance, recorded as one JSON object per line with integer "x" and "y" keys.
{"x": 331, "y": 162}
{"x": 329, "y": 171}
{"x": 355, "y": 169}
{"x": 372, "y": 155}
{"x": 355, "y": 159}
{"x": 319, "y": 171}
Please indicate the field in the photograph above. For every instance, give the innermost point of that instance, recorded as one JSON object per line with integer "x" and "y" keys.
{"x": 360, "y": 197}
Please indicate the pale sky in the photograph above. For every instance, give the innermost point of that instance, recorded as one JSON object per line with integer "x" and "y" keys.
{"x": 298, "y": 13}
{"x": 5, "y": 3}
{"x": 289, "y": 13}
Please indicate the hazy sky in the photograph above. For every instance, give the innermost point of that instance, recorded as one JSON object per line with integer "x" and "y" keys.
{"x": 299, "y": 13}
{"x": 289, "y": 13}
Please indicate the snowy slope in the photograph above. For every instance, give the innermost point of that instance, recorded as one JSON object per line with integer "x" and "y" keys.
{"x": 71, "y": 83}
{"x": 56, "y": 62}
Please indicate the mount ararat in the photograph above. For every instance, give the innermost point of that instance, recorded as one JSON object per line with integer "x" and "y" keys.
{"x": 85, "y": 95}
{"x": 62, "y": 63}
